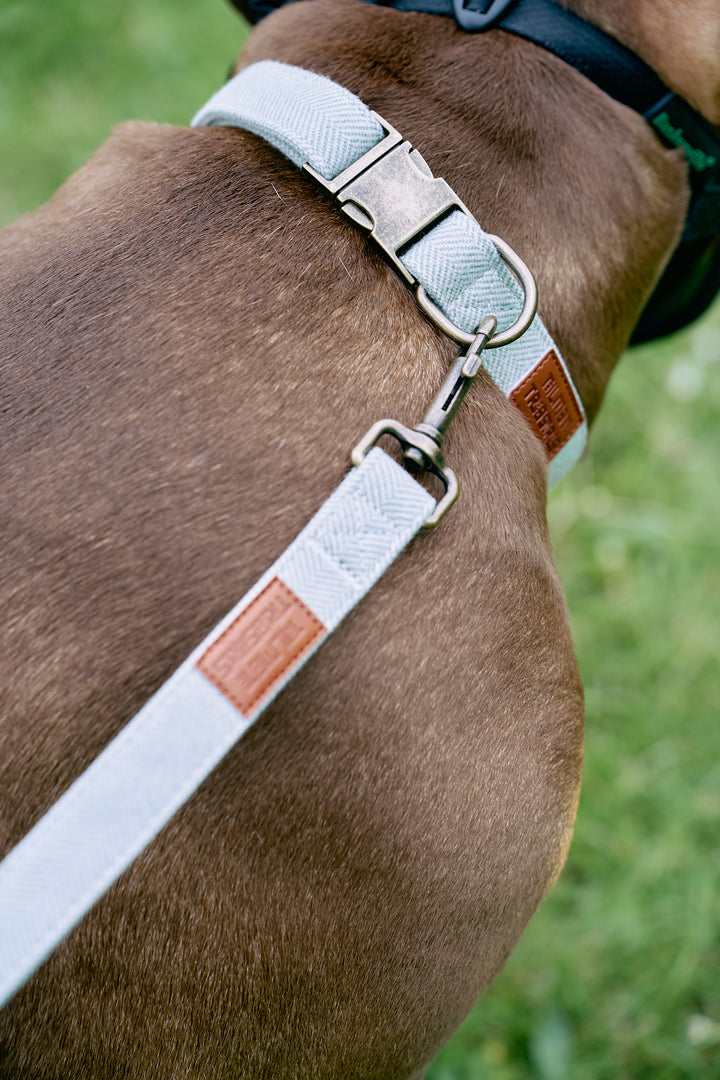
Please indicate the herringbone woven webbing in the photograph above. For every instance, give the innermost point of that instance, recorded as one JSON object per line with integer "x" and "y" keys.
{"x": 93, "y": 833}
{"x": 312, "y": 120}
{"x": 52, "y": 878}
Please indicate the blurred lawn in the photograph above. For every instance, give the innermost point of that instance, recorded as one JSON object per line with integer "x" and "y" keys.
{"x": 618, "y": 976}
{"x": 72, "y": 69}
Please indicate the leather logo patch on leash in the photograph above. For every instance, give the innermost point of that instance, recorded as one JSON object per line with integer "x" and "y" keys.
{"x": 546, "y": 399}
{"x": 261, "y": 646}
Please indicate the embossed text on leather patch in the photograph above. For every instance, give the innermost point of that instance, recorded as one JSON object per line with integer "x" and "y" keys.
{"x": 547, "y": 400}
{"x": 261, "y": 646}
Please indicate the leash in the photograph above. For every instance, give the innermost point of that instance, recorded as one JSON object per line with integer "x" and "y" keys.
{"x": 110, "y": 814}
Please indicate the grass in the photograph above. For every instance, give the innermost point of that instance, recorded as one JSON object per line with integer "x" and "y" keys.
{"x": 72, "y": 69}
{"x": 618, "y": 976}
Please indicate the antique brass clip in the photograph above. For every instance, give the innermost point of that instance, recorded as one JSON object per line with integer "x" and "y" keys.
{"x": 422, "y": 446}
{"x": 391, "y": 192}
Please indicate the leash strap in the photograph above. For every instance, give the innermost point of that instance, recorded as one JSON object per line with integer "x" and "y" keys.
{"x": 110, "y": 814}
{"x": 315, "y": 122}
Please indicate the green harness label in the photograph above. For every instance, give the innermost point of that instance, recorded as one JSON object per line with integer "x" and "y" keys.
{"x": 696, "y": 158}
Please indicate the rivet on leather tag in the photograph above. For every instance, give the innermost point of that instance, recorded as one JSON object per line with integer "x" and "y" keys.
{"x": 547, "y": 400}
{"x": 264, "y": 643}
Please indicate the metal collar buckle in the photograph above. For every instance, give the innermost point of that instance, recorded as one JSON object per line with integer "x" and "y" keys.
{"x": 391, "y": 193}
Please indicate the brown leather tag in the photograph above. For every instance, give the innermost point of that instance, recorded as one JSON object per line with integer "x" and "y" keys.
{"x": 264, "y": 643}
{"x": 546, "y": 399}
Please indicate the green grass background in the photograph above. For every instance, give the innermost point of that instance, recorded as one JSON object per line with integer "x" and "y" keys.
{"x": 618, "y": 976}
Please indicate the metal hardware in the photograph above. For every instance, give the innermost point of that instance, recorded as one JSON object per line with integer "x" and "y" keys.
{"x": 408, "y": 440}
{"x": 481, "y": 20}
{"x": 422, "y": 447}
{"x": 391, "y": 192}
{"x": 528, "y": 284}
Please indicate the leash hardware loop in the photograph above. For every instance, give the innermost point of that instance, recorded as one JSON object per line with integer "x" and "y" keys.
{"x": 422, "y": 446}
{"x": 429, "y": 452}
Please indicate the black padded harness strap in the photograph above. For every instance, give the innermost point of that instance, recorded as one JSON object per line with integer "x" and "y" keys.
{"x": 612, "y": 67}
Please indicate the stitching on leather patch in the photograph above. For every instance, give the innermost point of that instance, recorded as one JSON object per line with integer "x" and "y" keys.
{"x": 547, "y": 400}
{"x": 261, "y": 646}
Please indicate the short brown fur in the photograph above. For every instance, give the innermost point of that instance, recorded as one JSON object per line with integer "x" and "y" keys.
{"x": 192, "y": 340}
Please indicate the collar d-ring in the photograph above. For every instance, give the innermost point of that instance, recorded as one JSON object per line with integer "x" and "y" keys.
{"x": 524, "y": 276}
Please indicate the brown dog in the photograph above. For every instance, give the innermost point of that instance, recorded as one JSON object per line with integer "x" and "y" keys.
{"x": 193, "y": 338}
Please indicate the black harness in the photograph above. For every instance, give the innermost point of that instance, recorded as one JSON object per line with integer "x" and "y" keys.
{"x": 692, "y": 278}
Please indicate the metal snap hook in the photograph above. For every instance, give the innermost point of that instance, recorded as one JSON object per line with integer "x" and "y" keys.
{"x": 422, "y": 446}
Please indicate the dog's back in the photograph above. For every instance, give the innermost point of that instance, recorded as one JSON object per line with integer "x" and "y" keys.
{"x": 193, "y": 341}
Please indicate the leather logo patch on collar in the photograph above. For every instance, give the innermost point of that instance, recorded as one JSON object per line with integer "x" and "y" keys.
{"x": 547, "y": 400}
{"x": 261, "y": 646}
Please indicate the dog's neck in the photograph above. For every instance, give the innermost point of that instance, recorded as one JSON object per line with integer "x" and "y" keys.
{"x": 683, "y": 50}
{"x": 595, "y": 207}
